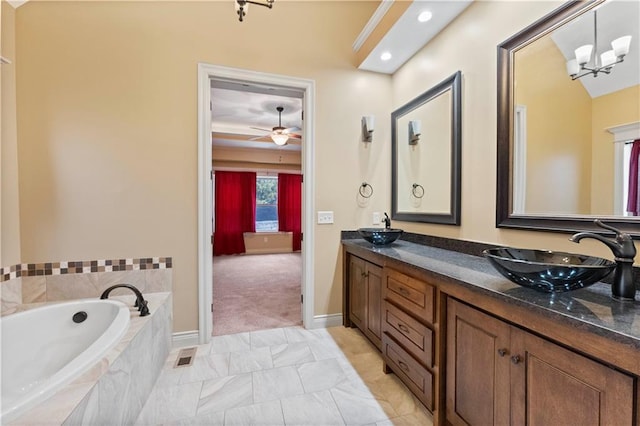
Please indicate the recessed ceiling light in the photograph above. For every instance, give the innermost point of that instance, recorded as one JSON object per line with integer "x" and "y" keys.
{"x": 425, "y": 16}
{"x": 385, "y": 56}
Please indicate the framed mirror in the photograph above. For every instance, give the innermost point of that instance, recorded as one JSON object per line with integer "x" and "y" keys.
{"x": 425, "y": 156}
{"x": 565, "y": 130}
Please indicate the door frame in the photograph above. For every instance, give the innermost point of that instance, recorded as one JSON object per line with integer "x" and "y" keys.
{"x": 206, "y": 73}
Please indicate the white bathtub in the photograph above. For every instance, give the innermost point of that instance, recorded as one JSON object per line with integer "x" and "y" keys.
{"x": 43, "y": 348}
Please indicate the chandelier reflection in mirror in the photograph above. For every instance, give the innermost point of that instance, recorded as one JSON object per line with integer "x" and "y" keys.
{"x": 579, "y": 67}
{"x": 242, "y": 6}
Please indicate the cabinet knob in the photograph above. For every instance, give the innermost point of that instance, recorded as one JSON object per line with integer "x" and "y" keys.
{"x": 516, "y": 359}
{"x": 502, "y": 352}
{"x": 403, "y": 328}
{"x": 403, "y": 291}
{"x": 365, "y": 274}
{"x": 404, "y": 366}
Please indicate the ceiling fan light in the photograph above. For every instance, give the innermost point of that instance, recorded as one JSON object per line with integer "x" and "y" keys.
{"x": 621, "y": 45}
{"x": 583, "y": 53}
{"x": 279, "y": 138}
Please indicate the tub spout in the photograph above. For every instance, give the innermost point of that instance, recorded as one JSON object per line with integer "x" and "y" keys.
{"x": 624, "y": 250}
{"x": 141, "y": 304}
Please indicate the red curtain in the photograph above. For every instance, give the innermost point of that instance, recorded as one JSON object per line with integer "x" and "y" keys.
{"x": 633, "y": 199}
{"x": 290, "y": 207}
{"x": 235, "y": 199}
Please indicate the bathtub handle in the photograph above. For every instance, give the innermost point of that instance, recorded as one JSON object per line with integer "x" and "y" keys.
{"x": 141, "y": 304}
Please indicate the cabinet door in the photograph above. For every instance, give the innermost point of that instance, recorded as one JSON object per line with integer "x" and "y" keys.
{"x": 373, "y": 276}
{"x": 477, "y": 389}
{"x": 357, "y": 292}
{"x": 552, "y": 385}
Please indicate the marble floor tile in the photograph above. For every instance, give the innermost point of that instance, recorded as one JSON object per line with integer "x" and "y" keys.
{"x": 262, "y": 338}
{"x": 321, "y": 375}
{"x": 175, "y": 402}
{"x": 283, "y": 377}
{"x": 317, "y": 408}
{"x": 248, "y": 361}
{"x": 264, "y": 414}
{"x": 206, "y": 367}
{"x": 276, "y": 383}
{"x": 226, "y": 392}
{"x": 208, "y": 419}
{"x": 358, "y": 406}
{"x": 230, "y": 343}
{"x": 291, "y": 354}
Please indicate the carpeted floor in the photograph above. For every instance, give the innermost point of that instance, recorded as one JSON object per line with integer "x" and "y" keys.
{"x": 256, "y": 292}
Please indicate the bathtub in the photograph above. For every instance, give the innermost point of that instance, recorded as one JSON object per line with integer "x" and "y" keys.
{"x": 47, "y": 347}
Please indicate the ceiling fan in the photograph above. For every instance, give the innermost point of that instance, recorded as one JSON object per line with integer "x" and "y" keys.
{"x": 280, "y": 135}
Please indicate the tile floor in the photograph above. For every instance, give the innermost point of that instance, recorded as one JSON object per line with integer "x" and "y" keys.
{"x": 283, "y": 376}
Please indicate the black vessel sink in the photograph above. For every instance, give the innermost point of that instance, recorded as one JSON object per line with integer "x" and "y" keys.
{"x": 549, "y": 271}
{"x": 380, "y": 236}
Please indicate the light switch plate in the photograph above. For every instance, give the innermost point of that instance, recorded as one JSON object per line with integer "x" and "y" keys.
{"x": 376, "y": 218}
{"x": 325, "y": 217}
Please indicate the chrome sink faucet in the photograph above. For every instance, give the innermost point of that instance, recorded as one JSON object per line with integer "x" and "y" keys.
{"x": 141, "y": 304}
{"x": 387, "y": 221}
{"x": 624, "y": 250}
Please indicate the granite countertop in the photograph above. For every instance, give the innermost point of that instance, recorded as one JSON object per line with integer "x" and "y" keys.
{"x": 592, "y": 308}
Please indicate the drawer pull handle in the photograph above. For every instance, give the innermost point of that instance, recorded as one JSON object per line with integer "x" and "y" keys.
{"x": 403, "y": 291}
{"x": 404, "y": 366}
{"x": 403, "y": 328}
{"x": 364, "y": 274}
{"x": 502, "y": 352}
{"x": 516, "y": 359}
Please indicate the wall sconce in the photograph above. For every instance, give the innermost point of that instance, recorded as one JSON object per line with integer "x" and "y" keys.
{"x": 414, "y": 132}
{"x": 367, "y": 128}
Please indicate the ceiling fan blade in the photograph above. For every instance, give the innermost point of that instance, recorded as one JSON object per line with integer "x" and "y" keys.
{"x": 293, "y": 129}
{"x": 260, "y": 128}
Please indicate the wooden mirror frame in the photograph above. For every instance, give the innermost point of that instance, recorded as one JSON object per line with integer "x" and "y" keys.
{"x": 504, "y": 216}
{"x": 454, "y": 83}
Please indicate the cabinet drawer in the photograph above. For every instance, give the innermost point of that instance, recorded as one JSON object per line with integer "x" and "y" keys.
{"x": 415, "y": 376}
{"x": 411, "y": 294}
{"x": 414, "y": 336}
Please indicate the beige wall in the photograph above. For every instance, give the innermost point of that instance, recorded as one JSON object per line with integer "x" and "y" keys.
{"x": 108, "y": 138}
{"x": 558, "y": 141}
{"x": 469, "y": 44}
{"x": 255, "y": 159}
{"x": 9, "y": 208}
{"x": 615, "y": 109}
{"x": 107, "y": 96}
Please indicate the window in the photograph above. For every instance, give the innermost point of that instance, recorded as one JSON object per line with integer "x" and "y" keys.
{"x": 266, "y": 203}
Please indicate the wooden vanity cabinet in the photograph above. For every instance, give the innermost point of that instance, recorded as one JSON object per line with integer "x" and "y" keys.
{"x": 408, "y": 336}
{"x": 499, "y": 374}
{"x": 365, "y": 298}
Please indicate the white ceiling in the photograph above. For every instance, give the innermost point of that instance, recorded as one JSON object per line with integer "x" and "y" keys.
{"x": 236, "y": 108}
{"x": 408, "y": 35}
{"x": 616, "y": 18}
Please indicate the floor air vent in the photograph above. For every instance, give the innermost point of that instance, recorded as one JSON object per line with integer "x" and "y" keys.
{"x": 185, "y": 357}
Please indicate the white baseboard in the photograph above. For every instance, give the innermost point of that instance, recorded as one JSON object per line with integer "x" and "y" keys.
{"x": 324, "y": 321}
{"x": 185, "y": 338}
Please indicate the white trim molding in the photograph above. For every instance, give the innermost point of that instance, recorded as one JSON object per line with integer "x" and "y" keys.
{"x": 181, "y": 339}
{"x": 625, "y": 132}
{"x": 207, "y": 73}
{"x": 324, "y": 321}
{"x": 371, "y": 25}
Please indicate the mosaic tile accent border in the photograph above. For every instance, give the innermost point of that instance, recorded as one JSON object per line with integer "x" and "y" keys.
{"x": 83, "y": 266}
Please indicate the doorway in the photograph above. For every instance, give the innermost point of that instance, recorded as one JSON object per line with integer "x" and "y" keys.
{"x": 224, "y": 75}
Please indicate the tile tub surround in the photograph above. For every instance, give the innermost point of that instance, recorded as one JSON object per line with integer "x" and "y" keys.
{"x": 284, "y": 376}
{"x": 114, "y": 390}
{"x": 47, "y": 282}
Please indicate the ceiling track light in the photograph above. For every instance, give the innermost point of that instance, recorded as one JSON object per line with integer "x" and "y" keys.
{"x": 242, "y": 6}
{"x": 604, "y": 63}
